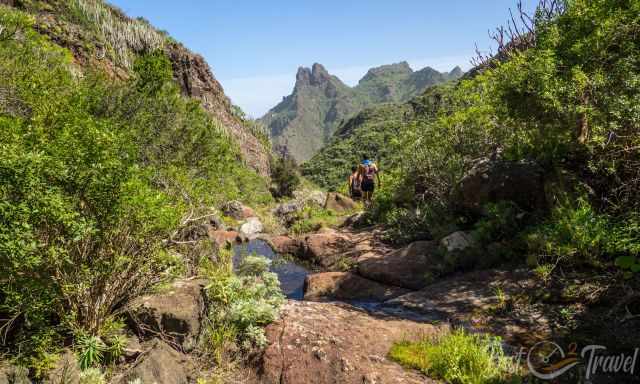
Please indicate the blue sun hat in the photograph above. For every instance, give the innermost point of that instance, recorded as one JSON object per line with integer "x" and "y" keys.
{"x": 366, "y": 162}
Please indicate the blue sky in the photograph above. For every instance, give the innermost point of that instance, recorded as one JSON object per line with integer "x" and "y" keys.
{"x": 255, "y": 46}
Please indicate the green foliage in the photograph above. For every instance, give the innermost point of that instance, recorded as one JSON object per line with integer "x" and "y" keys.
{"x": 312, "y": 218}
{"x": 500, "y": 222}
{"x": 576, "y": 234}
{"x": 569, "y": 103}
{"x": 91, "y": 351}
{"x": 95, "y": 177}
{"x": 284, "y": 176}
{"x": 153, "y": 72}
{"x": 459, "y": 358}
{"x": 242, "y": 303}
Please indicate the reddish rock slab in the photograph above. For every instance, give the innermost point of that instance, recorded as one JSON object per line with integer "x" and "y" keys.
{"x": 318, "y": 343}
{"x": 348, "y": 286}
{"x": 409, "y": 267}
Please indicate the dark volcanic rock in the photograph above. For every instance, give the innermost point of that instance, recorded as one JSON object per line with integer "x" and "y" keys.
{"x": 491, "y": 181}
{"x": 176, "y": 314}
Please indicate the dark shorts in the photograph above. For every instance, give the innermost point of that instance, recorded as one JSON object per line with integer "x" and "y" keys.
{"x": 368, "y": 185}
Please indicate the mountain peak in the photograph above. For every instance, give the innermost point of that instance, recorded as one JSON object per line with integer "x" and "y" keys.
{"x": 456, "y": 72}
{"x": 401, "y": 68}
{"x": 317, "y": 75}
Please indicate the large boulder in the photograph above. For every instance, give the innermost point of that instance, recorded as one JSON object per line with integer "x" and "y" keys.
{"x": 252, "y": 226}
{"x": 410, "y": 267}
{"x": 325, "y": 249}
{"x": 491, "y": 181}
{"x": 347, "y": 286}
{"x": 176, "y": 315}
{"x": 237, "y": 210}
{"x": 339, "y": 203}
{"x": 160, "y": 364}
{"x": 285, "y": 245}
{"x": 337, "y": 343}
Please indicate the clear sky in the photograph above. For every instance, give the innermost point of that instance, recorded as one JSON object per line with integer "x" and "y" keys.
{"x": 255, "y": 46}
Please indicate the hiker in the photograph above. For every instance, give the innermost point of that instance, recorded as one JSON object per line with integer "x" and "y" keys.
{"x": 369, "y": 173}
{"x": 355, "y": 181}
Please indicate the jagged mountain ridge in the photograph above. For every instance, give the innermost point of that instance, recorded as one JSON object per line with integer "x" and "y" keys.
{"x": 306, "y": 120}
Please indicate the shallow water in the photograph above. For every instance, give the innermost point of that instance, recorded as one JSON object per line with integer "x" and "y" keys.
{"x": 290, "y": 274}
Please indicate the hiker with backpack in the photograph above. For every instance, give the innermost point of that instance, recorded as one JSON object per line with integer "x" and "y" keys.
{"x": 369, "y": 175}
{"x": 355, "y": 183}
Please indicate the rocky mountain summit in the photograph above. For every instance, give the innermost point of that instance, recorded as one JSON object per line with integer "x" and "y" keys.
{"x": 320, "y": 102}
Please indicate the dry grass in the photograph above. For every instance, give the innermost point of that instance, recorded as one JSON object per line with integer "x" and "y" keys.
{"x": 123, "y": 35}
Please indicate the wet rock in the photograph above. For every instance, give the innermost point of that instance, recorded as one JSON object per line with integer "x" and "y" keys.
{"x": 161, "y": 364}
{"x": 176, "y": 314}
{"x": 347, "y": 286}
{"x": 331, "y": 343}
{"x": 237, "y": 210}
{"x": 410, "y": 267}
{"x": 491, "y": 181}
{"x": 66, "y": 370}
{"x": 339, "y": 203}
{"x": 252, "y": 226}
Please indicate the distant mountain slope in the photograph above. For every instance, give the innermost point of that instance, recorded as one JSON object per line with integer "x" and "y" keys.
{"x": 306, "y": 120}
{"x": 372, "y": 132}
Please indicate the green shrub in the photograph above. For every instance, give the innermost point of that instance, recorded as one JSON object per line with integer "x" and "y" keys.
{"x": 242, "y": 303}
{"x": 312, "y": 218}
{"x": 284, "y": 176}
{"x": 459, "y": 358}
{"x": 95, "y": 177}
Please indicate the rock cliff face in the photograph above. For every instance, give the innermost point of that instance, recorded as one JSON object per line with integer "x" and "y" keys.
{"x": 191, "y": 71}
{"x": 305, "y": 120}
{"x": 196, "y": 80}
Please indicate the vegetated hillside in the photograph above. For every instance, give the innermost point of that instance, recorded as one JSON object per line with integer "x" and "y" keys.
{"x": 559, "y": 115}
{"x": 106, "y": 173}
{"x": 102, "y": 36}
{"x": 305, "y": 120}
{"x": 375, "y": 132}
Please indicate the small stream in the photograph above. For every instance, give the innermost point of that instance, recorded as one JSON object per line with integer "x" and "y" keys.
{"x": 290, "y": 274}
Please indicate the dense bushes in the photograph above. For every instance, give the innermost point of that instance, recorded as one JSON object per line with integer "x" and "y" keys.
{"x": 95, "y": 176}
{"x": 284, "y": 176}
{"x": 568, "y": 102}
